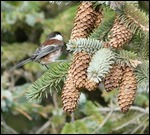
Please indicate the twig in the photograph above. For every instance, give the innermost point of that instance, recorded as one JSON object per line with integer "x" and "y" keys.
{"x": 136, "y": 108}
{"x": 145, "y": 126}
{"x": 47, "y": 124}
{"x": 127, "y": 123}
{"x": 72, "y": 117}
{"x": 54, "y": 130}
{"x": 23, "y": 113}
{"x": 139, "y": 126}
{"x": 103, "y": 123}
{"x": 55, "y": 100}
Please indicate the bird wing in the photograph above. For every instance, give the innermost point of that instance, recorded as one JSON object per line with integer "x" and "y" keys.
{"x": 39, "y": 53}
{"x": 44, "y": 50}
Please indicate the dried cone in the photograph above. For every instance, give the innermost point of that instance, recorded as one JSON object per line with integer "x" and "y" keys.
{"x": 113, "y": 78}
{"x": 79, "y": 69}
{"x": 77, "y": 75}
{"x": 84, "y": 21}
{"x": 90, "y": 85}
{"x": 70, "y": 95}
{"x": 127, "y": 90}
{"x": 119, "y": 35}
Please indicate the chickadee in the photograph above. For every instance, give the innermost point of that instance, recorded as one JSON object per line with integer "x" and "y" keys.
{"x": 48, "y": 52}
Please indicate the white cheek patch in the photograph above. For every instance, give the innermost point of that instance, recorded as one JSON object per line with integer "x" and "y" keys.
{"x": 58, "y": 37}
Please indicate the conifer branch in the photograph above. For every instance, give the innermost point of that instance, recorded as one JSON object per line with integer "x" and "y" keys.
{"x": 142, "y": 73}
{"x": 124, "y": 58}
{"x": 105, "y": 26}
{"x": 143, "y": 51}
{"x": 112, "y": 4}
{"x": 140, "y": 45}
{"x": 59, "y": 2}
{"x": 48, "y": 82}
{"x": 134, "y": 18}
{"x": 100, "y": 64}
{"x": 82, "y": 44}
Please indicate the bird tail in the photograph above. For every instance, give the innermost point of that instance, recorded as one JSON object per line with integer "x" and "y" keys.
{"x": 22, "y": 63}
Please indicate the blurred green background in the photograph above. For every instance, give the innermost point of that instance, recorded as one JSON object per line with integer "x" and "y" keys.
{"x": 24, "y": 25}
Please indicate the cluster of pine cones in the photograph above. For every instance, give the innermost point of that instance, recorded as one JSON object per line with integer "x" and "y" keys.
{"x": 87, "y": 19}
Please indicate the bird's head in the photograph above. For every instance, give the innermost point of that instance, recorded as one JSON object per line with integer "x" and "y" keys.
{"x": 55, "y": 35}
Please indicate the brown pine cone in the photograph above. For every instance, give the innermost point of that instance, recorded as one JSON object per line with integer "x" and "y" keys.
{"x": 127, "y": 90}
{"x": 79, "y": 69}
{"x": 113, "y": 78}
{"x": 84, "y": 20}
{"x": 90, "y": 85}
{"x": 70, "y": 96}
{"x": 119, "y": 35}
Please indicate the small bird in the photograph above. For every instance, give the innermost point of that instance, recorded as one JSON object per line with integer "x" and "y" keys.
{"x": 49, "y": 50}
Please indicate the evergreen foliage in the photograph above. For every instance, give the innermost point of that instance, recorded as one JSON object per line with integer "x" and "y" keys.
{"x": 134, "y": 18}
{"x": 99, "y": 112}
{"x": 124, "y": 57}
{"x": 142, "y": 72}
{"x": 82, "y": 44}
{"x": 100, "y": 64}
{"x": 48, "y": 82}
{"x": 107, "y": 22}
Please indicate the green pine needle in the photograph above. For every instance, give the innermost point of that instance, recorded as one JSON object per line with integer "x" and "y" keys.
{"x": 107, "y": 23}
{"x": 76, "y": 127}
{"x": 60, "y": 2}
{"x": 134, "y": 18}
{"x": 123, "y": 57}
{"x": 140, "y": 45}
{"x": 142, "y": 73}
{"x": 49, "y": 81}
{"x": 115, "y": 5}
{"x": 82, "y": 44}
{"x": 100, "y": 64}
{"x": 143, "y": 50}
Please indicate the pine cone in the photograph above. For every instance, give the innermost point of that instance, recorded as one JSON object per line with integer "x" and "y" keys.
{"x": 127, "y": 90}
{"x": 90, "y": 85}
{"x": 79, "y": 69}
{"x": 84, "y": 21}
{"x": 113, "y": 78}
{"x": 70, "y": 96}
{"x": 119, "y": 35}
